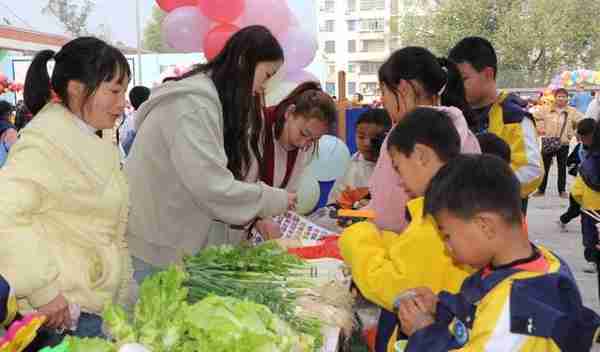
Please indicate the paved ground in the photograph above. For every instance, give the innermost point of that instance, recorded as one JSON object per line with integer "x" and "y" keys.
{"x": 542, "y": 219}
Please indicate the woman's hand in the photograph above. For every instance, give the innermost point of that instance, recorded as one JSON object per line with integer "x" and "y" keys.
{"x": 292, "y": 200}
{"x": 57, "y": 313}
{"x": 268, "y": 228}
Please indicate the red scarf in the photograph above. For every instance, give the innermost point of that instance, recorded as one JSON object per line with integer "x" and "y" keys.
{"x": 269, "y": 152}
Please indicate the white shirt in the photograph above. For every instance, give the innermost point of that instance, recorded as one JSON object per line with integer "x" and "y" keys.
{"x": 357, "y": 175}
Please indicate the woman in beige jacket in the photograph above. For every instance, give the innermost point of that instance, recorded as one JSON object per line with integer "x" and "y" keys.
{"x": 65, "y": 199}
{"x": 559, "y": 121}
{"x": 193, "y": 148}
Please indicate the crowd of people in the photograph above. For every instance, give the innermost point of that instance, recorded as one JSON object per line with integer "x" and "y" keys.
{"x": 449, "y": 165}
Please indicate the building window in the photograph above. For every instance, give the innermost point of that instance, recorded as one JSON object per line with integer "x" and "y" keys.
{"x": 328, "y": 26}
{"x": 352, "y": 25}
{"x": 369, "y": 68}
{"x": 351, "y": 88}
{"x": 328, "y": 6}
{"x": 351, "y": 6}
{"x": 369, "y": 88}
{"x": 330, "y": 47}
{"x": 372, "y": 25}
{"x": 373, "y": 45}
{"x": 352, "y": 46}
{"x": 351, "y": 68}
{"x": 330, "y": 88}
{"x": 367, "y": 5}
{"x": 331, "y": 69}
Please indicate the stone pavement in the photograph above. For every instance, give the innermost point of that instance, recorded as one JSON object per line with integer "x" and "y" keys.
{"x": 542, "y": 217}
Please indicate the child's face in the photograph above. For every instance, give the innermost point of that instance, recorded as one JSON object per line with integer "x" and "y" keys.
{"x": 586, "y": 139}
{"x": 475, "y": 82}
{"x": 303, "y": 132}
{"x": 416, "y": 170}
{"x": 466, "y": 240}
{"x": 364, "y": 133}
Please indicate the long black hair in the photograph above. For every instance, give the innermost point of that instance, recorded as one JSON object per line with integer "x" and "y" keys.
{"x": 437, "y": 76}
{"x": 88, "y": 60}
{"x": 232, "y": 72}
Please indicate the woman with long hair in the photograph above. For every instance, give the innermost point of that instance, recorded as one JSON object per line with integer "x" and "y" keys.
{"x": 196, "y": 138}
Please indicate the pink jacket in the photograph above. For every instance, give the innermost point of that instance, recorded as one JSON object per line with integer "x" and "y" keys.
{"x": 388, "y": 197}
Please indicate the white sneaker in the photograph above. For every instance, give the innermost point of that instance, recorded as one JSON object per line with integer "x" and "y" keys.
{"x": 589, "y": 268}
{"x": 563, "y": 227}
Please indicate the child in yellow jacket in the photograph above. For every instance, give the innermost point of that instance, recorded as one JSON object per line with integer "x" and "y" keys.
{"x": 384, "y": 264}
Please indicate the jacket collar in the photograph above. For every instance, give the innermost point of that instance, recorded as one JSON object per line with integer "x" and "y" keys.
{"x": 95, "y": 157}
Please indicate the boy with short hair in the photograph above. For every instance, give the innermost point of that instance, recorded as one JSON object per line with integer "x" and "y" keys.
{"x": 384, "y": 264}
{"x": 504, "y": 114}
{"x": 371, "y": 128}
{"x": 523, "y": 298}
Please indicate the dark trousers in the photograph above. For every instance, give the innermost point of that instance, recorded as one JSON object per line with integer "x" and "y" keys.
{"x": 572, "y": 212}
{"x": 385, "y": 329}
{"x": 590, "y": 238}
{"x": 524, "y": 203}
{"x": 561, "y": 158}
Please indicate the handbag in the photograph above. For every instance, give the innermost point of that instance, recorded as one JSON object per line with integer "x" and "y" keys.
{"x": 551, "y": 145}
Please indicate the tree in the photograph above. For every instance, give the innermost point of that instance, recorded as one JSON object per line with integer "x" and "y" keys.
{"x": 73, "y": 16}
{"x": 534, "y": 39}
{"x": 153, "y": 40}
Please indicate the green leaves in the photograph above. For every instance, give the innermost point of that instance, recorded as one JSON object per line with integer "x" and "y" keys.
{"x": 534, "y": 39}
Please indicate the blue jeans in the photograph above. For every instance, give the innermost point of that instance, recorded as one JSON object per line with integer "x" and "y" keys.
{"x": 89, "y": 325}
{"x": 141, "y": 269}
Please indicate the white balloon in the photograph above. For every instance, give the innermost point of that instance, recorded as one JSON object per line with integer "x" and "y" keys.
{"x": 308, "y": 193}
{"x": 331, "y": 160}
{"x": 278, "y": 90}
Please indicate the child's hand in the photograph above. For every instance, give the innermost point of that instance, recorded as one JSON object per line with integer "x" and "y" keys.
{"x": 268, "y": 228}
{"x": 426, "y": 299}
{"x": 413, "y": 316}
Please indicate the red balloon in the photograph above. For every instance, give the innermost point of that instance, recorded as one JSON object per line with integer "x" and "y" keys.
{"x": 222, "y": 10}
{"x": 215, "y": 39}
{"x": 170, "y": 5}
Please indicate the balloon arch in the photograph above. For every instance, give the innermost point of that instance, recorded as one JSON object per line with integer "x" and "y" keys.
{"x": 569, "y": 79}
{"x": 206, "y": 25}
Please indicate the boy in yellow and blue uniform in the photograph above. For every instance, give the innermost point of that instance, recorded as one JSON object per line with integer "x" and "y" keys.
{"x": 523, "y": 298}
{"x": 586, "y": 192}
{"x": 8, "y": 304}
{"x": 385, "y": 264}
{"x": 503, "y": 114}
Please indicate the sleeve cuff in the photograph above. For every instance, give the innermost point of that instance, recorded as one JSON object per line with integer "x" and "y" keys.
{"x": 275, "y": 200}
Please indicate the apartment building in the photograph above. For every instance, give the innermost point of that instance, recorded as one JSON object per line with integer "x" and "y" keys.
{"x": 356, "y": 36}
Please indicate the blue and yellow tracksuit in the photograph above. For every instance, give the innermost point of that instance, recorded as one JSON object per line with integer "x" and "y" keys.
{"x": 8, "y": 303}
{"x": 586, "y": 192}
{"x": 385, "y": 264}
{"x": 512, "y": 309}
{"x": 508, "y": 119}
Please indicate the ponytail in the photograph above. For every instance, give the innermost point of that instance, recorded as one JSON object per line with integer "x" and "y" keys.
{"x": 37, "y": 89}
{"x": 454, "y": 94}
{"x": 291, "y": 99}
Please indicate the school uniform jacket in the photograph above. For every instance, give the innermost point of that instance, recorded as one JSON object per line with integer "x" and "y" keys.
{"x": 512, "y": 309}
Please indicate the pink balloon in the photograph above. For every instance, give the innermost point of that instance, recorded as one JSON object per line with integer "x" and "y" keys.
{"x": 184, "y": 28}
{"x": 300, "y": 76}
{"x": 222, "y": 10}
{"x": 273, "y": 14}
{"x": 299, "y": 48}
{"x": 215, "y": 40}
{"x": 170, "y": 5}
